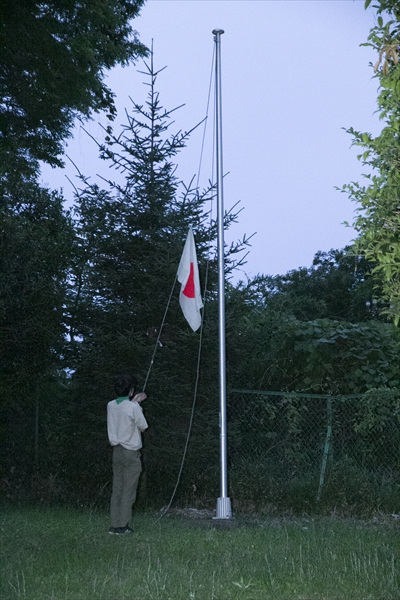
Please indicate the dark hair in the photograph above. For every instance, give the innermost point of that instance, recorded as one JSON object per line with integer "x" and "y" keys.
{"x": 124, "y": 383}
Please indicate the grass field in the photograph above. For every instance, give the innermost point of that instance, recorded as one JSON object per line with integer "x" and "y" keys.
{"x": 60, "y": 554}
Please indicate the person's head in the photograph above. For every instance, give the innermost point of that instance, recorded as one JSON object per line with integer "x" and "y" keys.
{"x": 125, "y": 384}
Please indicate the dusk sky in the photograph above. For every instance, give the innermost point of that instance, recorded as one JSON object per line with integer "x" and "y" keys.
{"x": 293, "y": 76}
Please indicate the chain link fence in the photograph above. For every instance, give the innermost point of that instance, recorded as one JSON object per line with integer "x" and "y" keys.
{"x": 301, "y": 451}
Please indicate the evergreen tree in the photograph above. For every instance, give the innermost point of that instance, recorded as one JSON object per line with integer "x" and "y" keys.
{"x": 131, "y": 236}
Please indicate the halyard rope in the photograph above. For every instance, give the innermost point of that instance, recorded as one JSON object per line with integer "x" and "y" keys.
{"x": 166, "y": 509}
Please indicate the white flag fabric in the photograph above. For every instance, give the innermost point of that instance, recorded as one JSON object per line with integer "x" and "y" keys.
{"x": 188, "y": 276}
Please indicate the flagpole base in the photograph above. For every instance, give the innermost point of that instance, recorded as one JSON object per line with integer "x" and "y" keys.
{"x": 224, "y": 510}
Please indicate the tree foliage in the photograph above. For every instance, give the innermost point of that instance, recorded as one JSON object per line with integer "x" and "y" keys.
{"x": 336, "y": 286}
{"x": 36, "y": 242}
{"x": 36, "y": 239}
{"x": 312, "y": 330}
{"x": 378, "y": 222}
{"x": 52, "y": 70}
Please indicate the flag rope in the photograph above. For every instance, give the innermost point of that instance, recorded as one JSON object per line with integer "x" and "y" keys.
{"x": 193, "y": 403}
{"x": 204, "y": 305}
{"x": 205, "y": 124}
{"x": 159, "y": 334}
{"x": 209, "y": 241}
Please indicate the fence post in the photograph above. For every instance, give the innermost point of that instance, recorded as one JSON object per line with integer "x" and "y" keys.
{"x": 327, "y": 447}
{"x": 36, "y": 444}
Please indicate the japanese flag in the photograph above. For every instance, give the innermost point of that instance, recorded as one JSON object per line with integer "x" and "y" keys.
{"x": 188, "y": 276}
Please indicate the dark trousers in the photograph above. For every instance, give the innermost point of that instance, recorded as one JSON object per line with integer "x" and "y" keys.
{"x": 126, "y": 471}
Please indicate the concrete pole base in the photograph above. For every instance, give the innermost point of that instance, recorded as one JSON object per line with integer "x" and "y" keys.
{"x": 224, "y": 510}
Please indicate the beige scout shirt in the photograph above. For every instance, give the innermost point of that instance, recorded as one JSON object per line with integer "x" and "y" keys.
{"x": 125, "y": 421}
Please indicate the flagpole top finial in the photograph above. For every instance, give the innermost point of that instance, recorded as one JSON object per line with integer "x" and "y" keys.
{"x": 218, "y": 31}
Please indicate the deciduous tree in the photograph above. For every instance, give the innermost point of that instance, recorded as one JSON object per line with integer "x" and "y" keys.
{"x": 378, "y": 221}
{"x": 36, "y": 239}
{"x": 53, "y": 58}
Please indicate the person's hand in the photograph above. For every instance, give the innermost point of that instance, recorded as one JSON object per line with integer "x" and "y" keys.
{"x": 139, "y": 397}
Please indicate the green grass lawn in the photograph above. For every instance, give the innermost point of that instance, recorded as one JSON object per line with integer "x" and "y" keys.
{"x": 60, "y": 554}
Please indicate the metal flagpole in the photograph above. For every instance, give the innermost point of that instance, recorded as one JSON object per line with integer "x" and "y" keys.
{"x": 223, "y": 502}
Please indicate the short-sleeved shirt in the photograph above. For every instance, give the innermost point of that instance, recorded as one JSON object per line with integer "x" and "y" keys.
{"x": 125, "y": 421}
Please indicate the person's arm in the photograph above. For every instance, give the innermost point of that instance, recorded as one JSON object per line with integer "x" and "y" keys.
{"x": 139, "y": 416}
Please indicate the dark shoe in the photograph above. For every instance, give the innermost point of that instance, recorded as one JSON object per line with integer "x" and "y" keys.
{"x": 120, "y": 530}
{"x": 128, "y": 529}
